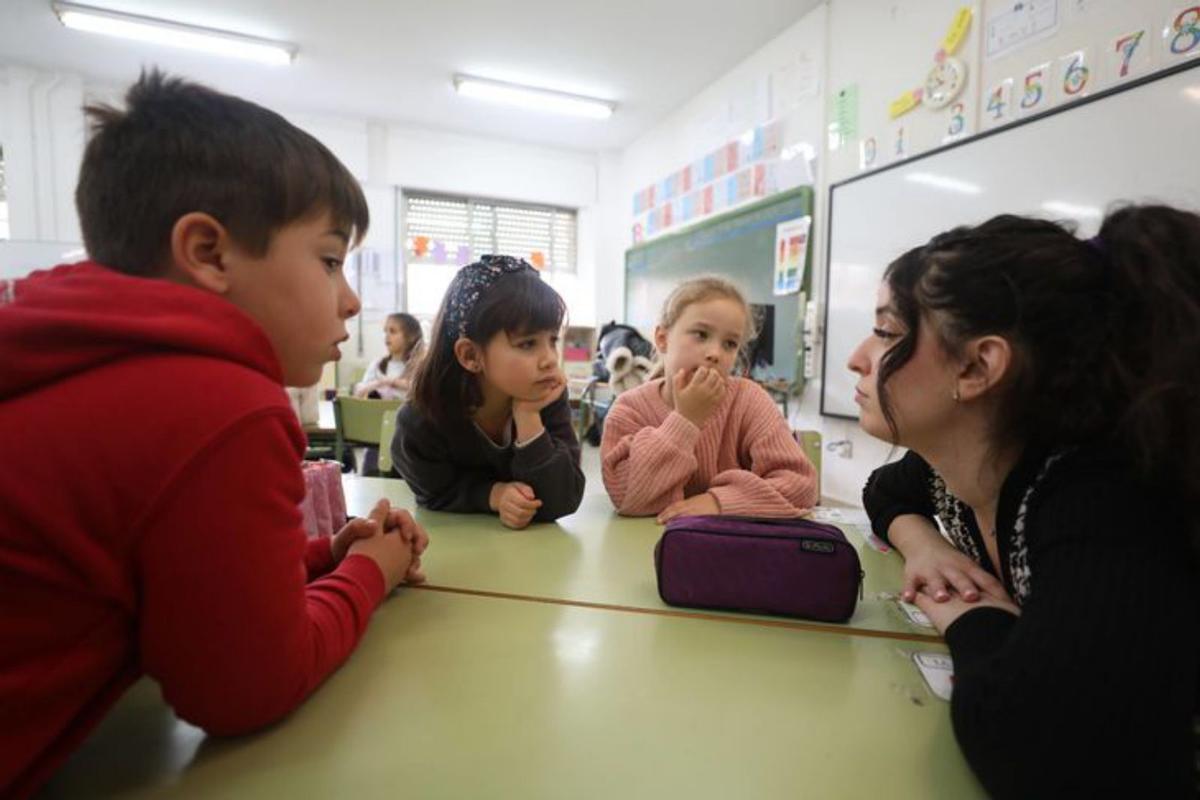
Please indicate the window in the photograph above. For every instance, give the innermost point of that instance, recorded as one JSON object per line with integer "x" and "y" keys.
{"x": 442, "y": 232}
{"x": 4, "y": 233}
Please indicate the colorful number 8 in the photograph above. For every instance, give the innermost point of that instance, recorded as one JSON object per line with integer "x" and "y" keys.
{"x": 1186, "y": 24}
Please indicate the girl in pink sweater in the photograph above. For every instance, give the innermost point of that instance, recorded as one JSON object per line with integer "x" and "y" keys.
{"x": 699, "y": 441}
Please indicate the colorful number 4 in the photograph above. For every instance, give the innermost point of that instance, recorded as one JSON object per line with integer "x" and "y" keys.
{"x": 999, "y": 99}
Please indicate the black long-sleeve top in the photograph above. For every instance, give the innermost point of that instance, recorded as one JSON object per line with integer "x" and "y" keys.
{"x": 1092, "y": 690}
{"x": 454, "y": 468}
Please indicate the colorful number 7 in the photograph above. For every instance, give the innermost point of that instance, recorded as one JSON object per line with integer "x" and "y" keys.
{"x": 1126, "y": 46}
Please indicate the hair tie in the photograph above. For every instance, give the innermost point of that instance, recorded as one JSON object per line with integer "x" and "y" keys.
{"x": 1098, "y": 244}
{"x": 471, "y": 281}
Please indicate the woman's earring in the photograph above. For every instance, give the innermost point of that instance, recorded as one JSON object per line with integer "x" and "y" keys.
{"x": 957, "y": 396}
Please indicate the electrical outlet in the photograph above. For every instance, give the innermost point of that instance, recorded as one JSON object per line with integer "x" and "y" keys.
{"x": 843, "y": 448}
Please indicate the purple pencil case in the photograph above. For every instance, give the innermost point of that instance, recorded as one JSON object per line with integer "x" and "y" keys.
{"x": 788, "y": 567}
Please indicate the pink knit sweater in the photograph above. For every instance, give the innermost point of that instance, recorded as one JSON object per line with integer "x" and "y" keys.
{"x": 744, "y": 455}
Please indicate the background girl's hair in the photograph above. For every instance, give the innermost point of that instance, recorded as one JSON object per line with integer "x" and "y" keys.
{"x": 517, "y": 303}
{"x": 1105, "y": 332}
{"x": 413, "y": 338}
{"x": 698, "y": 290}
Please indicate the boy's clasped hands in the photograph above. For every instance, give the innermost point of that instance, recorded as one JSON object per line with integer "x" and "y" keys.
{"x": 388, "y": 536}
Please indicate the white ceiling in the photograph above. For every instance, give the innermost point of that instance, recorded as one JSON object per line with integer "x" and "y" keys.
{"x": 393, "y": 60}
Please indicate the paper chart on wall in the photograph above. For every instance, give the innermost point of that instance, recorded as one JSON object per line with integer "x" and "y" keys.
{"x": 791, "y": 254}
{"x": 1015, "y": 24}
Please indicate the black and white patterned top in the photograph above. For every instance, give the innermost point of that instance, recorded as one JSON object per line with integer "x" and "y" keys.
{"x": 1093, "y": 690}
{"x": 958, "y": 520}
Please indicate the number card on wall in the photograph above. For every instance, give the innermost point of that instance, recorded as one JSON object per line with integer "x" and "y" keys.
{"x": 1181, "y": 36}
{"x": 999, "y": 108}
{"x": 1034, "y": 97}
{"x": 1075, "y": 76}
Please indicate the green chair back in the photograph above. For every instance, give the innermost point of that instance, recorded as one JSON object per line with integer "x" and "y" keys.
{"x": 358, "y": 420}
{"x": 810, "y": 443}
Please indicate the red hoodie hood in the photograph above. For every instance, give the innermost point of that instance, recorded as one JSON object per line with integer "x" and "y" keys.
{"x": 74, "y": 317}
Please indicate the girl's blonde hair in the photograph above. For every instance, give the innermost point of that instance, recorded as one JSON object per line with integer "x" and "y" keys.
{"x": 700, "y": 289}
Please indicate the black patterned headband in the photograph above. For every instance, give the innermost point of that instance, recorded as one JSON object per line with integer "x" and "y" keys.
{"x": 471, "y": 281}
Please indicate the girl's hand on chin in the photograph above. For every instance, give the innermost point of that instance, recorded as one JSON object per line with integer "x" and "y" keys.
{"x": 534, "y": 404}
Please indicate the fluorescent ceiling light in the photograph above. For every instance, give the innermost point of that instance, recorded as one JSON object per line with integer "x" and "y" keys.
{"x": 942, "y": 182}
{"x": 534, "y": 99}
{"x": 174, "y": 34}
{"x": 1073, "y": 210}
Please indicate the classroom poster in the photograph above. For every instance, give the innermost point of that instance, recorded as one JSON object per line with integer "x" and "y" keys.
{"x": 791, "y": 254}
{"x": 1015, "y": 25}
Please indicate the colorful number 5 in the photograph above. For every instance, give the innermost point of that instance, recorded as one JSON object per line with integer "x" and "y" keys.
{"x": 1187, "y": 31}
{"x": 1034, "y": 91}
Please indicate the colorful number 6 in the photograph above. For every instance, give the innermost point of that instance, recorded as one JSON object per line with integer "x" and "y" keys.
{"x": 1075, "y": 79}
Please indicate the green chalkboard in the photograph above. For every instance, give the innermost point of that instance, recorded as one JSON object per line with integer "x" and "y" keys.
{"x": 739, "y": 245}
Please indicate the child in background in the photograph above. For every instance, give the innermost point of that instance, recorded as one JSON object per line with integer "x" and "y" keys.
{"x": 391, "y": 376}
{"x": 173, "y": 546}
{"x": 487, "y": 427}
{"x": 1047, "y": 389}
{"x": 698, "y": 441}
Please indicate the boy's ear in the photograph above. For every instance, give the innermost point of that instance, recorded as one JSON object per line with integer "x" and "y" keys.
{"x": 986, "y": 363}
{"x": 199, "y": 246}
{"x": 469, "y": 355}
{"x": 660, "y": 338}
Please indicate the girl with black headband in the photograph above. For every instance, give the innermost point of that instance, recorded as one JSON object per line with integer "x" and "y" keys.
{"x": 487, "y": 427}
{"x": 1048, "y": 390}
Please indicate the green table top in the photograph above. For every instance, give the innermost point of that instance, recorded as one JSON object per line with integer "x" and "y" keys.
{"x": 466, "y": 697}
{"x": 596, "y": 556}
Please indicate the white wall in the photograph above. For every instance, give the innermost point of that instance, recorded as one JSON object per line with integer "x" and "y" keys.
{"x": 42, "y": 130}
{"x": 883, "y": 48}
{"x": 42, "y": 133}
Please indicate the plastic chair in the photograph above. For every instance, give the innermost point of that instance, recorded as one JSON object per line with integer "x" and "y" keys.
{"x": 387, "y": 431}
{"x": 358, "y": 421}
{"x": 810, "y": 443}
{"x": 349, "y": 375}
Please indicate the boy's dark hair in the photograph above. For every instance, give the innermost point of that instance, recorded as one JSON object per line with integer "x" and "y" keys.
{"x": 179, "y": 147}
{"x": 1105, "y": 332}
{"x": 518, "y": 303}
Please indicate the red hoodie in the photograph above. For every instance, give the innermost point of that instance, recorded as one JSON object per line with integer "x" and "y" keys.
{"x": 149, "y": 522}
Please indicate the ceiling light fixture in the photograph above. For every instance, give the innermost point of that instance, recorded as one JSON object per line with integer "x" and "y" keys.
{"x": 534, "y": 99}
{"x": 174, "y": 34}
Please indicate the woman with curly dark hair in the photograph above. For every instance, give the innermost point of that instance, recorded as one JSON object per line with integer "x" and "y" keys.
{"x": 1048, "y": 390}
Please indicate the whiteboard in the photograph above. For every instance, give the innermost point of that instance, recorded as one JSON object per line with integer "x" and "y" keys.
{"x": 1135, "y": 143}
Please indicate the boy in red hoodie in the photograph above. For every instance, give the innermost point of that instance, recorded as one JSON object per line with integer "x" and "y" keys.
{"x": 151, "y": 482}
